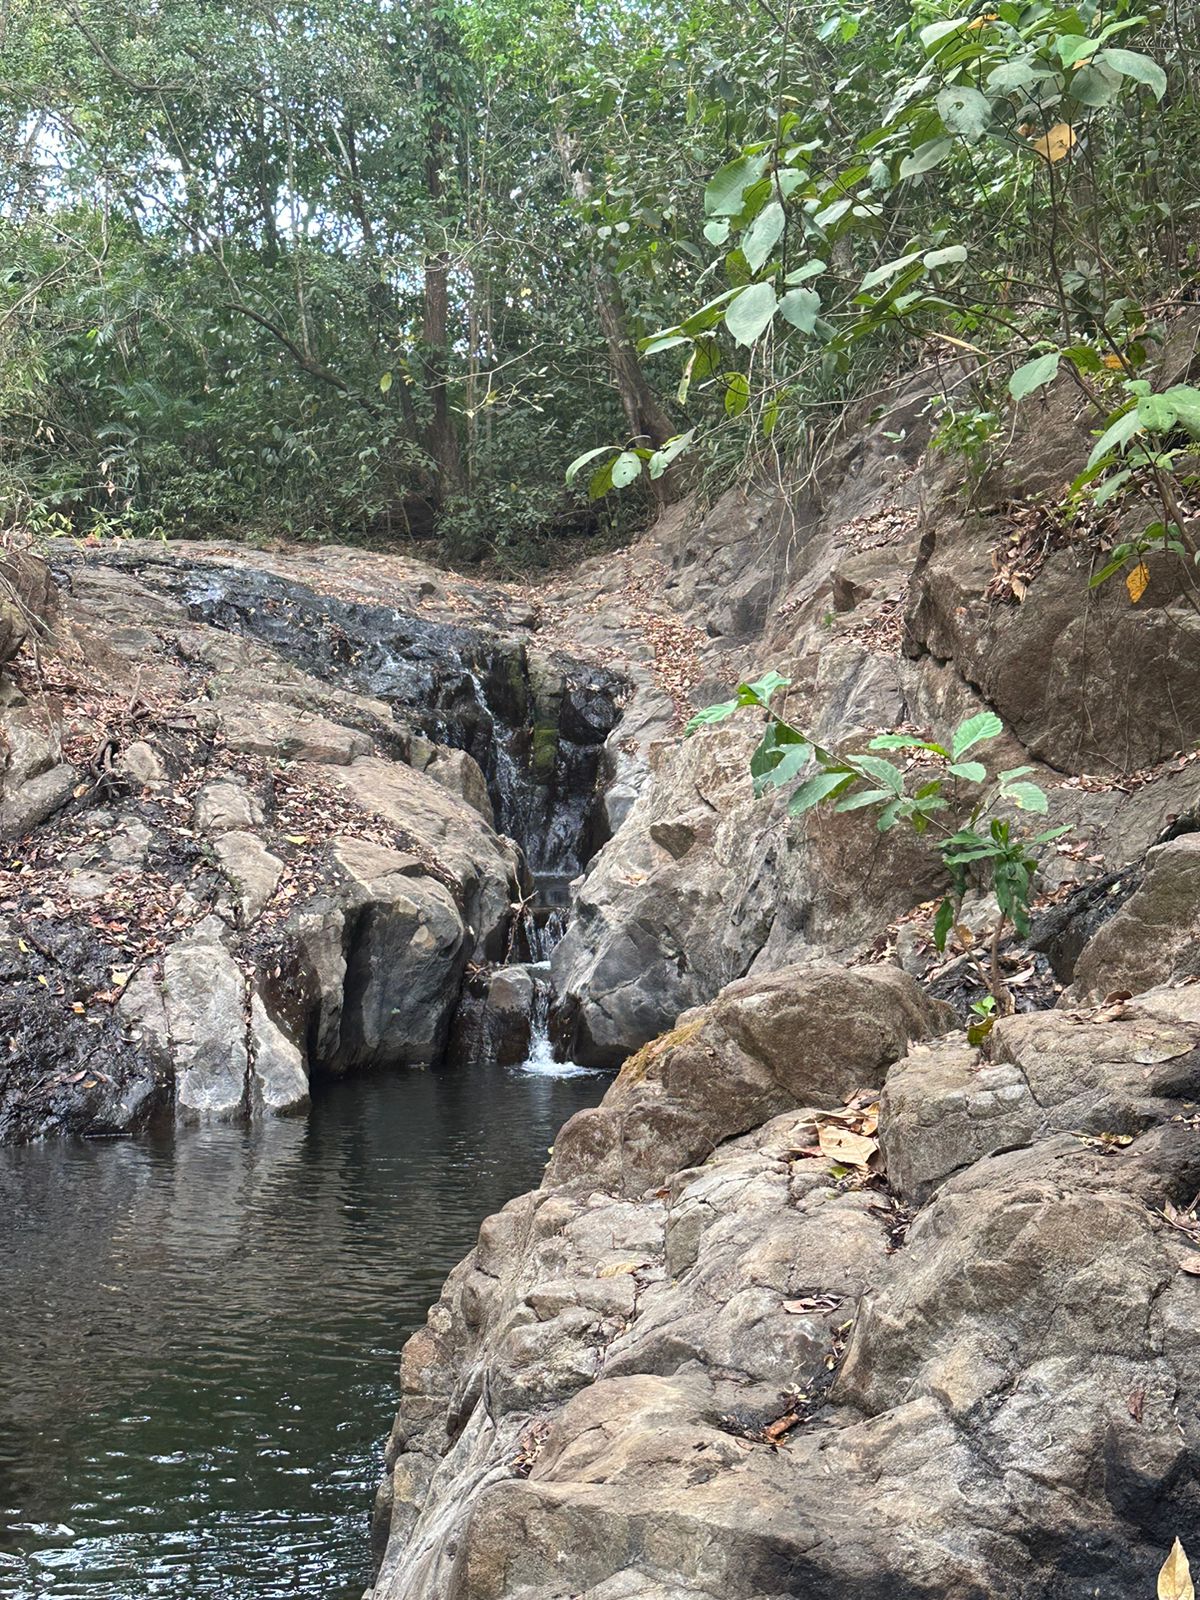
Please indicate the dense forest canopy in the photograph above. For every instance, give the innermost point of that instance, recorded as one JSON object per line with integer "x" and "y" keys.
{"x": 356, "y": 268}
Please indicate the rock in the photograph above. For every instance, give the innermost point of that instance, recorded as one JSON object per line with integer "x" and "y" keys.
{"x": 642, "y": 1382}
{"x": 802, "y": 1036}
{"x": 204, "y": 994}
{"x": 455, "y": 770}
{"x": 406, "y": 950}
{"x": 508, "y": 1014}
{"x": 485, "y": 866}
{"x": 1057, "y": 668}
{"x": 282, "y": 732}
{"x": 225, "y": 807}
{"x": 251, "y": 869}
{"x": 1107, "y": 1078}
{"x": 28, "y": 600}
{"x": 142, "y": 765}
{"x": 36, "y": 800}
{"x": 1155, "y": 934}
{"x": 278, "y": 1081}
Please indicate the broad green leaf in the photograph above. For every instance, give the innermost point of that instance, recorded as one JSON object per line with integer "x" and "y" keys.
{"x": 817, "y": 788}
{"x": 588, "y": 455}
{"x": 662, "y": 341}
{"x": 810, "y": 269}
{"x": 905, "y": 741}
{"x": 1132, "y": 64}
{"x": 864, "y": 797}
{"x": 934, "y": 32}
{"x": 971, "y": 771}
{"x": 801, "y": 307}
{"x": 1156, "y": 412}
{"x": 1116, "y": 435}
{"x": 792, "y": 762}
{"x": 889, "y": 269}
{"x": 975, "y": 730}
{"x": 1028, "y": 797}
{"x": 709, "y": 715}
{"x": 950, "y": 256}
{"x": 663, "y": 457}
{"x": 1186, "y": 401}
{"x": 717, "y": 231}
{"x": 763, "y": 234}
{"x": 1033, "y": 375}
{"x": 737, "y": 393}
{"x": 625, "y": 469}
{"x": 943, "y": 923}
{"x": 964, "y": 110}
{"x": 882, "y": 771}
{"x": 891, "y": 813}
{"x": 385, "y": 382}
{"x": 601, "y": 481}
{"x": 748, "y": 317}
{"x": 1109, "y": 570}
{"x": 1053, "y": 833}
{"x": 1073, "y": 47}
{"x": 1095, "y": 85}
{"x": 724, "y": 190}
{"x": 925, "y": 157}
{"x": 761, "y": 690}
{"x": 1010, "y": 75}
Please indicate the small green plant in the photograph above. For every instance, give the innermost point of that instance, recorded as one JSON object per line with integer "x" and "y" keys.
{"x": 984, "y": 1012}
{"x": 966, "y": 431}
{"x": 989, "y": 848}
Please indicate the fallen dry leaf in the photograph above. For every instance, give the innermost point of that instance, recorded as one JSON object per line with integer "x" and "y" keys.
{"x": 1175, "y": 1577}
{"x": 618, "y": 1268}
{"x": 1057, "y": 143}
{"x": 843, "y": 1145}
{"x": 1138, "y": 582}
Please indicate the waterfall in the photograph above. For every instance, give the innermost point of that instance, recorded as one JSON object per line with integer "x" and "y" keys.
{"x": 542, "y": 929}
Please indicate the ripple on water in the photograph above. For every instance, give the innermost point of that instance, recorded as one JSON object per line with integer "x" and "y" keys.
{"x": 198, "y": 1339}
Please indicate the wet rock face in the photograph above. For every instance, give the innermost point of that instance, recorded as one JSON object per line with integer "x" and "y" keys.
{"x": 535, "y": 725}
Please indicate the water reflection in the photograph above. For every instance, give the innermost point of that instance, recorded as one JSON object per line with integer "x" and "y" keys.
{"x": 198, "y": 1341}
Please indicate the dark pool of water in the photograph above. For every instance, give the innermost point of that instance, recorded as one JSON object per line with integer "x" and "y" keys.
{"x": 198, "y": 1339}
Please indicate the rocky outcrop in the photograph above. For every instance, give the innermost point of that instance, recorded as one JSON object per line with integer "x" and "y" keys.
{"x": 755, "y": 1373}
{"x": 889, "y": 604}
{"x": 238, "y": 877}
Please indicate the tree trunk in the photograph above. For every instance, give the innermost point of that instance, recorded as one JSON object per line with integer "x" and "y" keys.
{"x": 441, "y": 434}
{"x": 647, "y": 417}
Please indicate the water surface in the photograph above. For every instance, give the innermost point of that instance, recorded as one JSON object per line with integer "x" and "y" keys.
{"x": 198, "y": 1338}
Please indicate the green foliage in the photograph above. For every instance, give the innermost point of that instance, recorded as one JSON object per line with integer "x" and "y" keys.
{"x": 990, "y": 848}
{"x": 1008, "y": 183}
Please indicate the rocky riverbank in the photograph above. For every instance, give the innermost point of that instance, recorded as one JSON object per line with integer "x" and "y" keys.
{"x": 822, "y": 1296}
{"x": 824, "y": 1299}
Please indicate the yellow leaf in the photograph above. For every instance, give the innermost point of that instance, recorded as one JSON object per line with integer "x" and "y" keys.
{"x": 981, "y": 22}
{"x": 1057, "y": 143}
{"x": 296, "y": 838}
{"x": 1113, "y": 363}
{"x": 1138, "y": 581}
{"x": 1175, "y": 1579}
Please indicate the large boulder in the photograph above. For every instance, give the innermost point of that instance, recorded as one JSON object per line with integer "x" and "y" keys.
{"x": 1155, "y": 935}
{"x": 659, "y": 1387}
{"x": 807, "y": 1035}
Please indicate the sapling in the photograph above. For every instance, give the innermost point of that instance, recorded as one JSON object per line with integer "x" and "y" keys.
{"x": 990, "y": 848}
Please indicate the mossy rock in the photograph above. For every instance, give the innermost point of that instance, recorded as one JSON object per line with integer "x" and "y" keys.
{"x": 543, "y": 755}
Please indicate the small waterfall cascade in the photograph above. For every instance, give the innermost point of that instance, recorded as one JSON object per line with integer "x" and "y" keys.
{"x": 541, "y": 929}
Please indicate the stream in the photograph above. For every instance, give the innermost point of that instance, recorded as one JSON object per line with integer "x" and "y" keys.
{"x": 199, "y": 1336}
